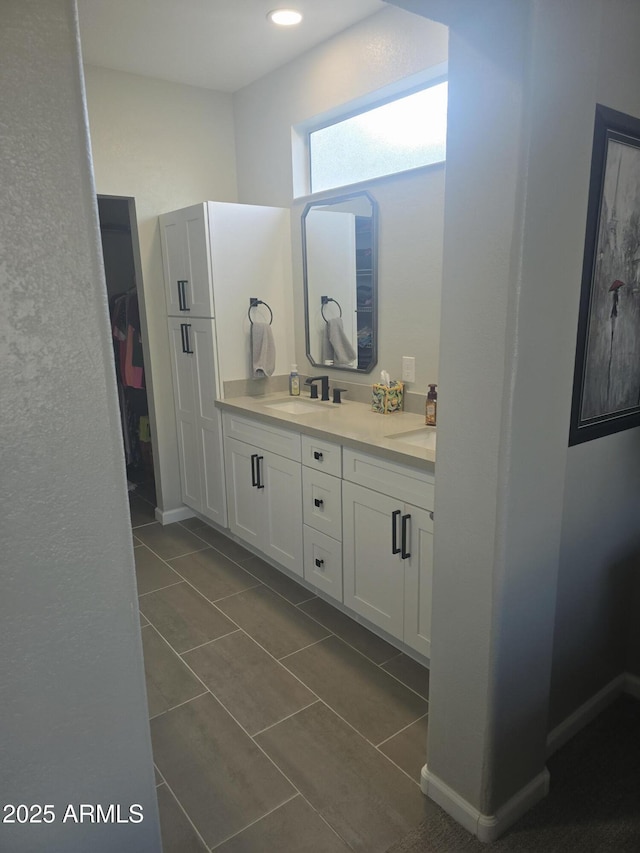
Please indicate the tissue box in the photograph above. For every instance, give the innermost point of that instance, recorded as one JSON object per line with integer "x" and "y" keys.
{"x": 387, "y": 398}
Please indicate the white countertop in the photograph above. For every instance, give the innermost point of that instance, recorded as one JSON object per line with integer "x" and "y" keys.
{"x": 349, "y": 423}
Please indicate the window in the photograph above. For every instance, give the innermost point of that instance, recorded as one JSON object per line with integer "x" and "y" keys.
{"x": 401, "y": 134}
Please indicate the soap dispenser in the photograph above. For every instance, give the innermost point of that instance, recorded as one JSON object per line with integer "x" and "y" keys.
{"x": 294, "y": 381}
{"x": 431, "y": 407}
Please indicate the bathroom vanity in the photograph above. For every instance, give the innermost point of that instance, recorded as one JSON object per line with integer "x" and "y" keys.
{"x": 340, "y": 497}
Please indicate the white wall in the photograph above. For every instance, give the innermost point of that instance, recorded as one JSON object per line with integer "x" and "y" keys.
{"x": 169, "y": 146}
{"x": 602, "y": 491}
{"x": 377, "y": 52}
{"x": 74, "y": 716}
{"x": 518, "y": 513}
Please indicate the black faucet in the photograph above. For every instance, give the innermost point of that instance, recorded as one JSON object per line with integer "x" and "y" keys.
{"x": 314, "y": 388}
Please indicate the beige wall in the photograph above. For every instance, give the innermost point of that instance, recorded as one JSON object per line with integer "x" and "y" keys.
{"x": 168, "y": 146}
{"x": 74, "y": 713}
{"x": 378, "y": 52}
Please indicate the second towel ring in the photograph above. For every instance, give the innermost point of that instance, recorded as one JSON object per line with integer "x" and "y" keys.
{"x": 325, "y": 300}
{"x": 253, "y": 303}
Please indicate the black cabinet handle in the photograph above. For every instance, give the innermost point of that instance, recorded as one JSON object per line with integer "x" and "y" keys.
{"x": 405, "y": 554}
{"x": 319, "y": 563}
{"x": 394, "y": 532}
{"x": 182, "y": 295}
{"x": 259, "y": 484}
{"x": 254, "y": 481}
{"x": 317, "y": 455}
{"x": 186, "y": 343}
{"x": 318, "y": 502}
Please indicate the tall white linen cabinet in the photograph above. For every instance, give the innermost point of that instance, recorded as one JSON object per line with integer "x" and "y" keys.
{"x": 216, "y": 257}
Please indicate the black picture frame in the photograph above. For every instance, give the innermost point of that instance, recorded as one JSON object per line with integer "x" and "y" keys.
{"x": 606, "y": 384}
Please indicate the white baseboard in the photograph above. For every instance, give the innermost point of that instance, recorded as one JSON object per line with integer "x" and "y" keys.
{"x": 587, "y": 712}
{"x": 485, "y": 827}
{"x": 168, "y": 516}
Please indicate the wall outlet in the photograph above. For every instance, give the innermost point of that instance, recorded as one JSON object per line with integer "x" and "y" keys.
{"x": 408, "y": 368}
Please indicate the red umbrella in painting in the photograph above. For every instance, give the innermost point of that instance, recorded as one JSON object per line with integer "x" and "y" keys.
{"x": 615, "y": 289}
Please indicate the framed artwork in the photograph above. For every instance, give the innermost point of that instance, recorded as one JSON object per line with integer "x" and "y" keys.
{"x": 606, "y": 384}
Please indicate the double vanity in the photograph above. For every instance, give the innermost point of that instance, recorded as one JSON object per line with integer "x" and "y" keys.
{"x": 333, "y": 494}
{"x": 341, "y": 497}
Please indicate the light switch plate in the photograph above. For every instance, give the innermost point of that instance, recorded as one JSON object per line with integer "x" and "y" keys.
{"x": 408, "y": 368}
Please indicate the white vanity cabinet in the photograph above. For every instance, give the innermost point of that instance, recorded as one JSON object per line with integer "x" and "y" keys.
{"x": 387, "y": 546}
{"x": 322, "y": 514}
{"x": 264, "y": 489}
{"x": 198, "y": 421}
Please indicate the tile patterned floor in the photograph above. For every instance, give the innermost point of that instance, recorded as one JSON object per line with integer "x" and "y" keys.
{"x": 277, "y": 723}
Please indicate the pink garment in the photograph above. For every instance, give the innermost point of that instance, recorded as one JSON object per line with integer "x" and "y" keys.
{"x": 133, "y": 376}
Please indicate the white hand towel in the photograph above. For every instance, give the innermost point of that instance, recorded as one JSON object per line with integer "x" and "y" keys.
{"x": 343, "y": 351}
{"x": 263, "y": 351}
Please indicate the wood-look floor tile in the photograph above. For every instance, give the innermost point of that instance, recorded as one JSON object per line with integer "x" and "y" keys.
{"x": 367, "y": 697}
{"x": 276, "y": 625}
{"x": 222, "y": 543}
{"x": 292, "y": 828}
{"x": 169, "y": 681}
{"x": 184, "y": 617}
{"x": 368, "y": 802}
{"x": 361, "y": 638}
{"x": 409, "y": 672}
{"x": 178, "y": 835}
{"x": 253, "y": 687}
{"x": 213, "y": 574}
{"x": 143, "y": 621}
{"x": 220, "y": 777}
{"x": 277, "y": 581}
{"x": 169, "y": 541}
{"x": 408, "y": 749}
{"x": 152, "y": 572}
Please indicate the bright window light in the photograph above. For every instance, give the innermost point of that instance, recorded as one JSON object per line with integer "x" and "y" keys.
{"x": 402, "y": 134}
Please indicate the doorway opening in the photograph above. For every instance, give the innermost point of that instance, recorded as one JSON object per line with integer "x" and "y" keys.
{"x": 121, "y": 256}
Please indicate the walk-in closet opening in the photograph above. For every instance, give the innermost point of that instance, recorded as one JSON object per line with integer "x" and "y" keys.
{"x": 121, "y": 254}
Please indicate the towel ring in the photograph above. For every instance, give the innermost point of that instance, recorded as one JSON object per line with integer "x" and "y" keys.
{"x": 325, "y": 300}
{"x": 253, "y": 303}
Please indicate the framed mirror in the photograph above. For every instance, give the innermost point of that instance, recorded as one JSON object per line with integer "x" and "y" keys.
{"x": 340, "y": 267}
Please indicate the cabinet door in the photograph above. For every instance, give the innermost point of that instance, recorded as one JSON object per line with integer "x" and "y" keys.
{"x": 208, "y": 420}
{"x": 246, "y": 503}
{"x": 185, "y": 399}
{"x": 418, "y": 580}
{"x": 198, "y": 290}
{"x": 187, "y": 268}
{"x": 282, "y": 479}
{"x": 173, "y": 259}
{"x": 373, "y": 576}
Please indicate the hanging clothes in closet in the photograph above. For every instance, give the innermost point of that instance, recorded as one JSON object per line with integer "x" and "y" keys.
{"x": 127, "y": 343}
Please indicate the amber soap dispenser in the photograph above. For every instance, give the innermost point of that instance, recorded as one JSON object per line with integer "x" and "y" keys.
{"x": 431, "y": 406}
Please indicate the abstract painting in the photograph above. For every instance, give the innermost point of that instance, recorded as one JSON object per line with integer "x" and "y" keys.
{"x": 606, "y": 388}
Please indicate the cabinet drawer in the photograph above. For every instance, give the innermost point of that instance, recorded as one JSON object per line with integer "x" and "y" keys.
{"x": 389, "y": 478}
{"x": 322, "y": 455}
{"x": 280, "y": 441}
{"x": 322, "y": 502}
{"x": 323, "y": 562}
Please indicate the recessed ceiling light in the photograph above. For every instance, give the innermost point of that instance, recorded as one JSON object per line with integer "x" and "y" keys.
{"x": 285, "y": 17}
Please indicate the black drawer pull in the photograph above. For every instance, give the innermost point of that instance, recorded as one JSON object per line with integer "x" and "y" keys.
{"x": 394, "y": 531}
{"x": 259, "y": 484}
{"x": 186, "y": 344}
{"x": 319, "y": 563}
{"x": 182, "y": 295}
{"x": 318, "y": 502}
{"x": 254, "y": 481}
{"x": 405, "y": 554}
{"x": 317, "y": 455}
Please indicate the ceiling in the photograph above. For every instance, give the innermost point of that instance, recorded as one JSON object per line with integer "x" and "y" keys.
{"x": 217, "y": 44}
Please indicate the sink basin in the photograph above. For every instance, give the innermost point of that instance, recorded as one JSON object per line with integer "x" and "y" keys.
{"x": 293, "y": 407}
{"x": 425, "y": 437}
